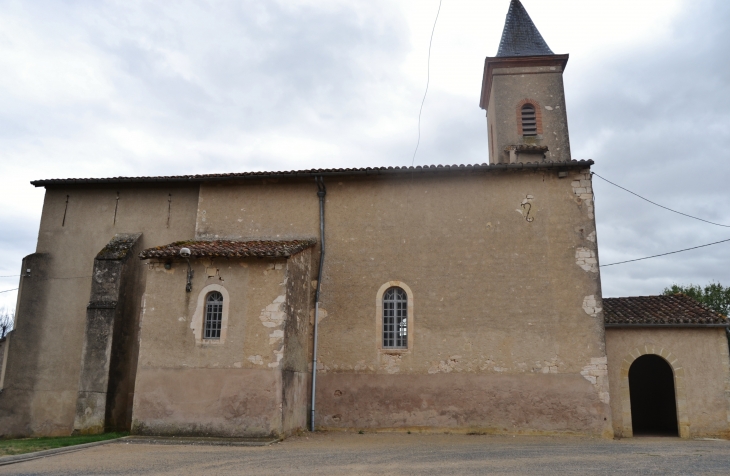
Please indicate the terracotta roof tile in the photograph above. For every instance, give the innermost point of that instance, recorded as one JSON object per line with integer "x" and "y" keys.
{"x": 541, "y": 164}
{"x": 677, "y": 310}
{"x": 230, "y": 249}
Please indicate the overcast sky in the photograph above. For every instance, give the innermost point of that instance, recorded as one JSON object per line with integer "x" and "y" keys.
{"x": 97, "y": 89}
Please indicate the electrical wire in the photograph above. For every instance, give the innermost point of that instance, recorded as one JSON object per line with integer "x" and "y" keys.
{"x": 658, "y": 205}
{"x": 11, "y": 276}
{"x": 47, "y": 279}
{"x": 428, "y": 81}
{"x": 665, "y": 254}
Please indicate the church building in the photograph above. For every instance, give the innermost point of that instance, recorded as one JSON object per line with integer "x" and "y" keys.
{"x": 463, "y": 298}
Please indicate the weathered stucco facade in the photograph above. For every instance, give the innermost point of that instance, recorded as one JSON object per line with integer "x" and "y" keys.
{"x": 45, "y": 349}
{"x": 250, "y": 382}
{"x": 496, "y": 266}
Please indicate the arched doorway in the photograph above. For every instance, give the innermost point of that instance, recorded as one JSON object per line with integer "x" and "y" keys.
{"x": 653, "y": 400}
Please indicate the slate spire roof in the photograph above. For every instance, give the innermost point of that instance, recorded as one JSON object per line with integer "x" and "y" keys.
{"x": 520, "y": 36}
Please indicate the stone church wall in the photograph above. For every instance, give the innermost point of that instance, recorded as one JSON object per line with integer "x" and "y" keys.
{"x": 506, "y": 329}
{"x": 44, "y": 361}
{"x": 506, "y": 295}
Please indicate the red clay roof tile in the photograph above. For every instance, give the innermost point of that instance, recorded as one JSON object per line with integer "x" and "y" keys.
{"x": 230, "y": 249}
{"x": 677, "y": 310}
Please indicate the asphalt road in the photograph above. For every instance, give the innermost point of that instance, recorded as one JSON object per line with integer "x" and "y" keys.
{"x": 396, "y": 453}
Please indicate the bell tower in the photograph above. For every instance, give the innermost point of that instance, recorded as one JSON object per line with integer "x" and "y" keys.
{"x": 523, "y": 94}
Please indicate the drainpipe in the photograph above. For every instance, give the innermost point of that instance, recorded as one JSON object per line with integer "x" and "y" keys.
{"x": 321, "y": 192}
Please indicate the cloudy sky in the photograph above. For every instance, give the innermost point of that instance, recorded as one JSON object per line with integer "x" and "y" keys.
{"x": 95, "y": 89}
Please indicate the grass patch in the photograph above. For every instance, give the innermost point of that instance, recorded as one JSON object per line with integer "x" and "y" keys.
{"x": 29, "y": 445}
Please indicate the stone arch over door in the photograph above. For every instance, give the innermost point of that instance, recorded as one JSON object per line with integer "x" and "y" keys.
{"x": 679, "y": 389}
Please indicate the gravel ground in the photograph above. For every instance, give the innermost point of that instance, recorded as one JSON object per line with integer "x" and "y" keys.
{"x": 397, "y": 453}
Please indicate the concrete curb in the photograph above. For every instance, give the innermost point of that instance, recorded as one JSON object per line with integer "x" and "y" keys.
{"x": 200, "y": 441}
{"x": 5, "y": 460}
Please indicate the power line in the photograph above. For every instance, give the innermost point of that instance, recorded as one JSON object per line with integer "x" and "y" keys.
{"x": 11, "y": 276}
{"x": 428, "y": 81}
{"x": 658, "y": 205}
{"x": 47, "y": 279}
{"x": 665, "y": 254}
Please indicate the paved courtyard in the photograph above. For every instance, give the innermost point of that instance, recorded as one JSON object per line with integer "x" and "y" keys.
{"x": 396, "y": 453}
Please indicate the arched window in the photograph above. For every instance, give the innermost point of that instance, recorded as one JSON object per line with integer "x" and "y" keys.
{"x": 395, "y": 319}
{"x": 529, "y": 120}
{"x": 213, "y": 315}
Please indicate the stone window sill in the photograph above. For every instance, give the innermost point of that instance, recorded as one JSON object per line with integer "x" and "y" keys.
{"x": 394, "y": 351}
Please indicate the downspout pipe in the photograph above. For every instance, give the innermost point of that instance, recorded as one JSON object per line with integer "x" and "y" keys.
{"x": 321, "y": 192}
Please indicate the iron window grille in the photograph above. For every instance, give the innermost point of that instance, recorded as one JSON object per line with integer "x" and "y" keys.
{"x": 395, "y": 319}
{"x": 213, "y": 315}
{"x": 529, "y": 120}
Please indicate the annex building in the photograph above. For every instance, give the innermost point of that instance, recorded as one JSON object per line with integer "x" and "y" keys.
{"x": 436, "y": 298}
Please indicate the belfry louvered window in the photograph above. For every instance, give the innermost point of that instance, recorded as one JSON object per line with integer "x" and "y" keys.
{"x": 395, "y": 319}
{"x": 213, "y": 315}
{"x": 529, "y": 120}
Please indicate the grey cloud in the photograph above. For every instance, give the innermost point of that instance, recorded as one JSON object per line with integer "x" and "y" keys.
{"x": 664, "y": 114}
{"x": 223, "y": 76}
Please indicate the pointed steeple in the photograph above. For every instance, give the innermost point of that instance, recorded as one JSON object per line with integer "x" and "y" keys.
{"x": 520, "y": 36}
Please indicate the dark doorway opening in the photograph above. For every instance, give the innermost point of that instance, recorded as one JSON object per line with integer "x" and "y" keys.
{"x": 653, "y": 403}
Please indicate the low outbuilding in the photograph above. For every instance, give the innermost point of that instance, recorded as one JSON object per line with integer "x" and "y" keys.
{"x": 668, "y": 366}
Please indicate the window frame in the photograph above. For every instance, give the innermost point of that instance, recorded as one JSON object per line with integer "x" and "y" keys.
{"x": 197, "y": 323}
{"x": 393, "y": 318}
{"x": 410, "y": 316}
{"x": 213, "y": 315}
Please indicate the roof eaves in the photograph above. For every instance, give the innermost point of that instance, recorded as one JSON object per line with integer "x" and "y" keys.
{"x": 676, "y": 326}
{"x": 299, "y": 174}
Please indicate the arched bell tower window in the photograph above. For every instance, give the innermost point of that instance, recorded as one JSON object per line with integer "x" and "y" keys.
{"x": 213, "y": 315}
{"x": 529, "y": 120}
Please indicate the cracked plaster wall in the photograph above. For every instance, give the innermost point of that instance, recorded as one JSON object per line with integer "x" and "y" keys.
{"x": 583, "y": 190}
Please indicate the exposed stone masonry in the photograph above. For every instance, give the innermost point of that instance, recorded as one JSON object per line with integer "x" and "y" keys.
{"x": 597, "y": 373}
{"x": 586, "y": 259}
{"x": 583, "y": 189}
